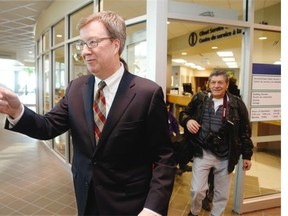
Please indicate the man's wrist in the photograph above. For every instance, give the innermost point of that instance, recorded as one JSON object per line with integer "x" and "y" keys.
{"x": 17, "y": 116}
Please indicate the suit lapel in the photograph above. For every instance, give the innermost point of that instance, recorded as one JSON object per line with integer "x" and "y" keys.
{"x": 123, "y": 97}
{"x": 88, "y": 94}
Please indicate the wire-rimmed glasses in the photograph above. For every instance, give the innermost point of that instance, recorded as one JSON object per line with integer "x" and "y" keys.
{"x": 92, "y": 43}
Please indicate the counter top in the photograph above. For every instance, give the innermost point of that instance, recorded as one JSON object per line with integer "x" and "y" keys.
{"x": 181, "y": 100}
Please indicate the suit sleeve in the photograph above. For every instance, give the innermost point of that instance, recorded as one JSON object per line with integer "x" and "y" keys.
{"x": 43, "y": 127}
{"x": 161, "y": 185}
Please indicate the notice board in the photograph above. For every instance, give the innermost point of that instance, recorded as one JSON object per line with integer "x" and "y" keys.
{"x": 266, "y": 92}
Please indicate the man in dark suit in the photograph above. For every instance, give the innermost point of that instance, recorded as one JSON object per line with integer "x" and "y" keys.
{"x": 130, "y": 169}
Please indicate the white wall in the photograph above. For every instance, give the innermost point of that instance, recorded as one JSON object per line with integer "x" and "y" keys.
{"x": 57, "y": 11}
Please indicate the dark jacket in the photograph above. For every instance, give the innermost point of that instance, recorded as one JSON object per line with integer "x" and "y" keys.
{"x": 132, "y": 165}
{"x": 237, "y": 132}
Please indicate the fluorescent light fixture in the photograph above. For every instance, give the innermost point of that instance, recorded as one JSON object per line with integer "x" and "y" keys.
{"x": 190, "y": 64}
{"x": 184, "y": 53}
{"x": 179, "y": 60}
{"x": 228, "y": 59}
{"x": 225, "y": 54}
{"x": 199, "y": 67}
{"x": 59, "y": 35}
{"x": 262, "y": 38}
{"x": 214, "y": 47}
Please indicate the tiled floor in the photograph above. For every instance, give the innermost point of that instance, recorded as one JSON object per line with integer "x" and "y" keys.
{"x": 33, "y": 181}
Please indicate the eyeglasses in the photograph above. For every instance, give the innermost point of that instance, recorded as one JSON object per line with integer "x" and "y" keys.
{"x": 92, "y": 43}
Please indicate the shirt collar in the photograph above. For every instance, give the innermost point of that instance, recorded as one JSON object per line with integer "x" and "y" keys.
{"x": 113, "y": 81}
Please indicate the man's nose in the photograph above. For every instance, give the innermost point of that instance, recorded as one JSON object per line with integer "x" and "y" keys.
{"x": 85, "y": 50}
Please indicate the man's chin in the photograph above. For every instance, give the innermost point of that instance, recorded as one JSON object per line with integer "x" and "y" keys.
{"x": 91, "y": 70}
{"x": 217, "y": 95}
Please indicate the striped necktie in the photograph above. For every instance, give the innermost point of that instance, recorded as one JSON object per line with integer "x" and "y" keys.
{"x": 99, "y": 108}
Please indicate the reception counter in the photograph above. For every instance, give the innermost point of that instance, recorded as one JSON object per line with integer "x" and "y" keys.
{"x": 178, "y": 102}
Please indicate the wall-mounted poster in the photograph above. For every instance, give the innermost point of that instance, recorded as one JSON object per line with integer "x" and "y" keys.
{"x": 266, "y": 92}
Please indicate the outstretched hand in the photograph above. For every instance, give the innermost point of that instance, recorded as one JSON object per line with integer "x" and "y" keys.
{"x": 9, "y": 103}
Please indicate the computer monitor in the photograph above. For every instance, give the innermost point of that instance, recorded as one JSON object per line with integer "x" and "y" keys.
{"x": 187, "y": 88}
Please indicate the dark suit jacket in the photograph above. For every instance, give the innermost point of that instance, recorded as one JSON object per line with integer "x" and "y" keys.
{"x": 133, "y": 164}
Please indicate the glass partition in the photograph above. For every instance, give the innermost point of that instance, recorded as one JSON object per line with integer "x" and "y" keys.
{"x": 58, "y": 33}
{"x": 46, "y": 83}
{"x": 126, "y": 9}
{"x": 232, "y": 10}
{"x": 47, "y": 98}
{"x": 75, "y": 17}
{"x": 196, "y": 49}
{"x": 77, "y": 65}
{"x": 38, "y": 48}
{"x": 268, "y": 12}
{"x": 59, "y": 86}
{"x": 136, "y": 49}
{"x": 46, "y": 41}
{"x": 265, "y": 115}
{"x": 58, "y": 74}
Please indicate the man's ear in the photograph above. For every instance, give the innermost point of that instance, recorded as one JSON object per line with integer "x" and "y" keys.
{"x": 116, "y": 45}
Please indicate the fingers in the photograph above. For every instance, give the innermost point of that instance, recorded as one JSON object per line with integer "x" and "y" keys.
{"x": 3, "y": 101}
{"x": 246, "y": 165}
{"x": 9, "y": 103}
{"x": 193, "y": 126}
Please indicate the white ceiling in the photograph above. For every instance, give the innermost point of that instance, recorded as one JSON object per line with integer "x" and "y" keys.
{"x": 17, "y": 21}
{"x": 18, "y": 18}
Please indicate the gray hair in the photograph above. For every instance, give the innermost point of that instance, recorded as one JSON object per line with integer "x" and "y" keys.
{"x": 114, "y": 24}
{"x": 219, "y": 72}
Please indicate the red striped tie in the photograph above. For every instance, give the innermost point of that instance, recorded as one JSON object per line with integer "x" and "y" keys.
{"x": 99, "y": 107}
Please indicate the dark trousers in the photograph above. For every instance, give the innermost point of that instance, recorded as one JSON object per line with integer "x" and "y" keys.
{"x": 91, "y": 207}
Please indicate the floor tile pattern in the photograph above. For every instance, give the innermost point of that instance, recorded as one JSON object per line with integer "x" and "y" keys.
{"x": 34, "y": 181}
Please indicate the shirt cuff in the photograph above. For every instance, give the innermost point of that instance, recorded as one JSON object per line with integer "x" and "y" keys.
{"x": 156, "y": 214}
{"x": 14, "y": 121}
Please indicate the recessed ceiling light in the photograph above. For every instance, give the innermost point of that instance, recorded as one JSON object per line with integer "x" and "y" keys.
{"x": 179, "y": 60}
{"x": 184, "y": 53}
{"x": 200, "y": 68}
{"x": 225, "y": 54}
{"x": 228, "y": 59}
{"x": 59, "y": 35}
{"x": 190, "y": 64}
{"x": 262, "y": 38}
{"x": 214, "y": 47}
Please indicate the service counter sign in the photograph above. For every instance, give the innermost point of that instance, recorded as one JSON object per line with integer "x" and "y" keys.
{"x": 266, "y": 92}
{"x": 212, "y": 34}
